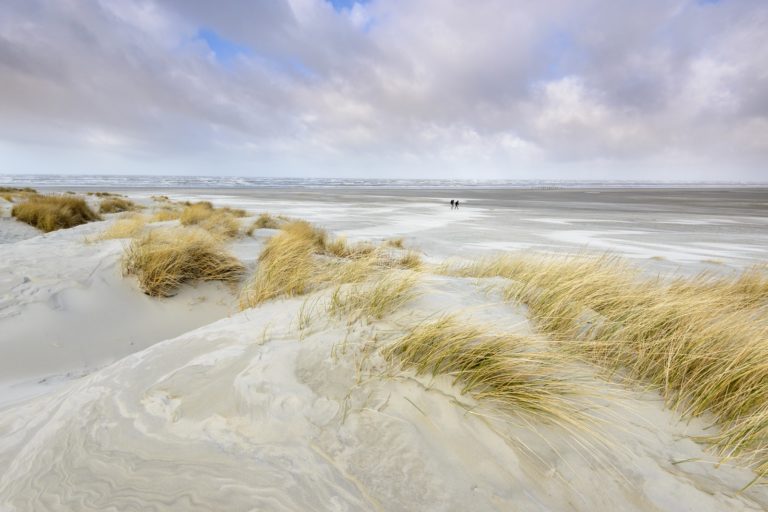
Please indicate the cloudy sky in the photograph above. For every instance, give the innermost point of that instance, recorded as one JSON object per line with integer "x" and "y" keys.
{"x": 607, "y": 89}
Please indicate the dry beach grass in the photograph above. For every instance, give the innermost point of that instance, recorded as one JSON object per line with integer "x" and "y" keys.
{"x": 164, "y": 259}
{"x": 264, "y": 221}
{"x": 116, "y": 205}
{"x": 166, "y": 213}
{"x": 128, "y": 227}
{"x": 516, "y": 378}
{"x": 702, "y": 341}
{"x": 520, "y": 375}
{"x": 302, "y": 258}
{"x": 49, "y": 213}
{"x": 285, "y": 265}
{"x": 374, "y": 300}
{"x": 222, "y": 222}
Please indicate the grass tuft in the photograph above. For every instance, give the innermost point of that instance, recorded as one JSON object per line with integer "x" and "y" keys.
{"x": 411, "y": 260}
{"x": 164, "y": 259}
{"x": 285, "y": 266}
{"x": 115, "y": 205}
{"x": 195, "y": 213}
{"x": 18, "y": 190}
{"x": 221, "y": 222}
{"x": 264, "y": 221}
{"x": 702, "y": 341}
{"x": 304, "y": 230}
{"x": 234, "y": 212}
{"x": 374, "y": 300}
{"x": 103, "y": 194}
{"x": 340, "y": 248}
{"x": 165, "y": 214}
{"x": 49, "y": 213}
{"x": 129, "y": 227}
{"x": 519, "y": 374}
{"x": 300, "y": 259}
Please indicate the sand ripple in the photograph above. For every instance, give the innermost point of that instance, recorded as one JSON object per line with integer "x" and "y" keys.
{"x": 224, "y": 418}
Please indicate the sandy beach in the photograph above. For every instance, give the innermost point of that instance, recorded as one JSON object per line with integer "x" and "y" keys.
{"x": 111, "y": 399}
{"x": 383, "y": 255}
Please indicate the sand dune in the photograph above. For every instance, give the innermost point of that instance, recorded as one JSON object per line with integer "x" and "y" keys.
{"x": 186, "y": 404}
{"x": 244, "y": 414}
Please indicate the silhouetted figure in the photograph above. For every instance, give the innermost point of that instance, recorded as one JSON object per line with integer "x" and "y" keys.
{"x": 457, "y": 204}
{"x": 452, "y": 204}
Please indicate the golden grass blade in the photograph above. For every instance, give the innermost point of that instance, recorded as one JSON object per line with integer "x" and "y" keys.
{"x": 164, "y": 259}
{"x": 49, "y": 213}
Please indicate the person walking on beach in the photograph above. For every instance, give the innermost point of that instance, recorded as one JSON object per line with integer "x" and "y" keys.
{"x": 451, "y": 204}
{"x": 457, "y": 204}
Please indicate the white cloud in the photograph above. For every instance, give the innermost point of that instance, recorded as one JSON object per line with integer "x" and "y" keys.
{"x": 393, "y": 87}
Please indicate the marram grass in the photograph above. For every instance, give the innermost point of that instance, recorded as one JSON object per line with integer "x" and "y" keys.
{"x": 376, "y": 299}
{"x": 702, "y": 341}
{"x": 285, "y": 267}
{"x": 164, "y": 259}
{"x": 49, "y": 213}
{"x": 165, "y": 214}
{"x": 116, "y": 205}
{"x": 264, "y": 221}
{"x": 128, "y": 227}
{"x": 300, "y": 259}
{"x": 518, "y": 374}
{"x": 221, "y": 222}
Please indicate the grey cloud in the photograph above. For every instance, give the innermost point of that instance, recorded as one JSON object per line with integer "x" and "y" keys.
{"x": 414, "y": 85}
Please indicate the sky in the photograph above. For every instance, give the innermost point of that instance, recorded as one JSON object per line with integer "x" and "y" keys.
{"x": 502, "y": 89}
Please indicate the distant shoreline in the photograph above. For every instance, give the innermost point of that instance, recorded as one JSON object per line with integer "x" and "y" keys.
{"x": 136, "y": 182}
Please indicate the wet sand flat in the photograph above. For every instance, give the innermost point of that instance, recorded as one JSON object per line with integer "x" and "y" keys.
{"x": 685, "y": 229}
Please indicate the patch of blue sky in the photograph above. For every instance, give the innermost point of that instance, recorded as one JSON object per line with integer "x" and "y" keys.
{"x": 223, "y": 49}
{"x": 559, "y": 52}
{"x": 345, "y": 4}
{"x": 226, "y": 51}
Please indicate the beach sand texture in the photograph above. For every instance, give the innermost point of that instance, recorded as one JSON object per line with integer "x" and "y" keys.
{"x": 114, "y": 400}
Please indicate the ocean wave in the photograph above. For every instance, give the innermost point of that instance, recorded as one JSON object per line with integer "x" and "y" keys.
{"x": 215, "y": 182}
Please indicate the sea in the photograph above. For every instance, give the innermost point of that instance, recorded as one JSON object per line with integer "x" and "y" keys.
{"x": 224, "y": 182}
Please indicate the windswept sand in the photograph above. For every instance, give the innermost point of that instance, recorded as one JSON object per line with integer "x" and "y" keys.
{"x": 672, "y": 230}
{"x": 259, "y": 410}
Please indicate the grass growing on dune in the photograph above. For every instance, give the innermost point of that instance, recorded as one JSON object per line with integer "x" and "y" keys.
{"x": 18, "y": 190}
{"x": 300, "y": 259}
{"x": 285, "y": 266}
{"x": 306, "y": 231}
{"x": 196, "y": 213}
{"x": 341, "y": 248}
{"x": 103, "y": 194}
{"x": 49, "y": 213}
{"x": 165, "y": 214}
{"x": 702, "y": 341}
{"x": 115, "y": 205}
{"x": 164, "y": 259}
{"x": 128, "y": 227}
{"x": 264, "y": 221}
{"x": 411, "y": 260}
{"x": 221, "y": 222}
{"x": 374, "y": 300}
{"x": 519, "y": 374}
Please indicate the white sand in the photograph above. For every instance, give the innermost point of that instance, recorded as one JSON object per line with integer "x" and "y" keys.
{"x": 251, "y": 413}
